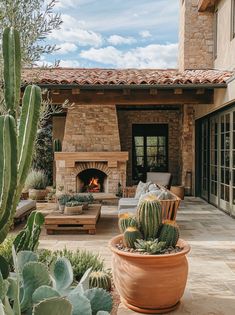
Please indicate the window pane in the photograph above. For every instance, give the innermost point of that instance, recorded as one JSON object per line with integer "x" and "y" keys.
{"x": 152, "y": 141}
{"x": 139, "y": 141}
{"x": 139, "y": 151}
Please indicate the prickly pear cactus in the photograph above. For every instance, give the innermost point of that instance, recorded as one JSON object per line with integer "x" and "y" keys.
{"x": 169, "y": 233}
{"x": 149, "y": 218}
{"x": 130, "y": 236}
{"x": 16, "y": 141}
{"x": 125, "y": 221}
{"x": 100, "y": 279}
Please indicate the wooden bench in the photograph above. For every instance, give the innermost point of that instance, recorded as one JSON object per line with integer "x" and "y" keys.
{"x": 59, "y": 223}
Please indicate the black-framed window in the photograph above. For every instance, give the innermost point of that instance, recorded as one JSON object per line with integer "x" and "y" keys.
{"x": 216, "y": 34}
{"x": 232, "y": 19}
{"x": 150, "y": 149}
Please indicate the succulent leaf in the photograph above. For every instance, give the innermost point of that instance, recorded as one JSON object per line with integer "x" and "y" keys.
{"x": 81, "y": 304}
{"x": 53, "y": 306}
{"x": 44, "y": 292}
{"x": 100, "y": 300}
{"x": 62, "y": 273}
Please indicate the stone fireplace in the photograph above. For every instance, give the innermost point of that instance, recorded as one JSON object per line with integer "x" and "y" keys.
{"x": 91, "y": 159}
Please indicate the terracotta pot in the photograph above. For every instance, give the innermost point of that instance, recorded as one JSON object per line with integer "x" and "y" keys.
{"x": 37, "y": 194}
{"x": 150, "y": 284}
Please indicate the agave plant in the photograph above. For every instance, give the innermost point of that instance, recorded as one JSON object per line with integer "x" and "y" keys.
{"x": 35, "y": 290}
{"x": 17, "y": 136}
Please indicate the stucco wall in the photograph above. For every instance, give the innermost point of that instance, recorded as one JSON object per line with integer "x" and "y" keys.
{"x": 222, "y": 98}
{"x": 226, "y": 45}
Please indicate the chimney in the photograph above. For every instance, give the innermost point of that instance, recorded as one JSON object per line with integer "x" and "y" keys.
{"x": 196, "y": 42}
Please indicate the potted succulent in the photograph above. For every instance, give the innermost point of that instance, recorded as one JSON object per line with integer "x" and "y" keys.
{"x": 62, "y": 200}
{"x": 150, "y": 267}
{"x": 73, "y": 208}
{"x": 84, "y": 199}
{"x": 36, "y": 184}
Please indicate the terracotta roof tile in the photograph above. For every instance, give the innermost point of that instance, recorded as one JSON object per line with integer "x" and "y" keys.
{"x": 86, "y": 77}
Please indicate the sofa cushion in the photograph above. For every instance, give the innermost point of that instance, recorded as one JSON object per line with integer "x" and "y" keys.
{"x": 24, "y": 206}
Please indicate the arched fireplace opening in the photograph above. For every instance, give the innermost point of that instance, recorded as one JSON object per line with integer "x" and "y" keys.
{"x": 91, "y": 181}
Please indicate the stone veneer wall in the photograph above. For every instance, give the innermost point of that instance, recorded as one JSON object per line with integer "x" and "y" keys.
{"x": 91, "y": 128}
{"x": 171, "y": 117}
{"x": 196, "y": 41}
{"x": 187, "y": 142}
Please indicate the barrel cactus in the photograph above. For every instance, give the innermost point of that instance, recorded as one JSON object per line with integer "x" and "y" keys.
{"x": 16, "y": 139}
{"x": 149, "y": 217}
{"x": 125, "y": 221}
{"x": 28, "y": 238}
{"x": 100, "y": 279}
{"x": 130, "y": 236}
{"x": 57, "y": 145}
{"x": 169, "y": 233}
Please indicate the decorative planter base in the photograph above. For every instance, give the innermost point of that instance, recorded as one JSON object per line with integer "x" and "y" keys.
{"x": 150, "y": 311}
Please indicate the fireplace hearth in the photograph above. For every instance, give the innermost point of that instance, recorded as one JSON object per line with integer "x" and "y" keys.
{"x": 91, "y": 181}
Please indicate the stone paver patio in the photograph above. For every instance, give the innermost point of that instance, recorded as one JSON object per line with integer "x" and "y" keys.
{"x": 211, "y": 234}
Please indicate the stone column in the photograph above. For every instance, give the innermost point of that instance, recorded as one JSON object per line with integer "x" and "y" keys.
{"x": 187, "y": 142}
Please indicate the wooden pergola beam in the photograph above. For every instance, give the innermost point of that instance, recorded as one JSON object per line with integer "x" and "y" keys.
{"x": 206, "y": 5}
{"x": 139, "y": 97}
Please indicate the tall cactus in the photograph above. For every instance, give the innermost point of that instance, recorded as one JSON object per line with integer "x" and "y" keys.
{"x": 16, "y": 140}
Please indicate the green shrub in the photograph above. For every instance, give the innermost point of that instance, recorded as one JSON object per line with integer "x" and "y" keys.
{"x": 36, "y": 180}
{"x": 80, "y": 260}
{"x": 6, "y": 249}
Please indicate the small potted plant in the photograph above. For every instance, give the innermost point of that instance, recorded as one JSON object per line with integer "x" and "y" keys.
{"x": 36, "y": 184}
{"x": 84, "y": 199}
{"x": 73, "y": 208}
{"x": 150, "y": 267}
{"x": 62, "y": 200}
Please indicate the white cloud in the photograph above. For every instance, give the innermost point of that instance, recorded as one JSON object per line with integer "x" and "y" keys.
{"x": 65, "y": 48}
{"x": 119, "y": 40}
{"x": 72, "y": 3}
{"x": 145, "y": 34}
{"x": 69, "y": 63}
{"x": 151, "y": 56}
{"x": 72, "y": 32}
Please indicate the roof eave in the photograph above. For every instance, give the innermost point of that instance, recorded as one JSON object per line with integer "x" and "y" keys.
{"x": 134, "y": 86}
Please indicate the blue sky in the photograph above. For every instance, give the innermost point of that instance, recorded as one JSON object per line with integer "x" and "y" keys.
{"x": 117, "y": 34}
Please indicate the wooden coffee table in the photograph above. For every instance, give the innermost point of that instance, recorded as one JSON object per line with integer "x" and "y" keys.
{"x": 58, "y": 223}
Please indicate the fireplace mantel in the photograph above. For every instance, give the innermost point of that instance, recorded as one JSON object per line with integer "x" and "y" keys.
{"x": 71, "y": 158}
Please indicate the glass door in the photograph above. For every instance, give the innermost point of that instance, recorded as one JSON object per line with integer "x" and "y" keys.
{"x": 233, "y": 164}
{"x": 214, "y": 130}
{"x": 225, "y": 161}
{"x": 150, "y": 149}
{"x": 205, "y": 162}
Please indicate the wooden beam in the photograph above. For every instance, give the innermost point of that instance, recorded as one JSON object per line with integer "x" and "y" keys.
{"x": 200, "y": 91}
{"x": 137, "y": 97}
{"x": 100, "y": 92}
{"x": 126, "y": 92}
{"x": 55, "y": 92}
{"x": 178, "y": 91}
{"x": 153, "y": 91}
{"x": 206, "y": 5}
{"x": 76, "y": 91}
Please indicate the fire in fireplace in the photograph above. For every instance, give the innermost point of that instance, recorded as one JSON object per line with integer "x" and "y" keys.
{"x": 91, "y": 180}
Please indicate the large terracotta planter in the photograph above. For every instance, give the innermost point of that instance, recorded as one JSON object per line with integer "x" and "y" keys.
{"x": 150, "y": 284}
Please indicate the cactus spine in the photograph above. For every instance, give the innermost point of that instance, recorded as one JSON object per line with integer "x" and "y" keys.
{"x": 169, "y": 233}
{"x": 125, "y": 221}
{"x": 100, "y": 279}
{"x": 57, "y": 145}
{"x": 149, "y": 218}
{"x": 16, "y": 142}
{"x": 130, "y": 236}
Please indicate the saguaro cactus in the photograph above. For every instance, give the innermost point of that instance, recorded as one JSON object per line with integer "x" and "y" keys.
{"x": 17, "y": 137}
